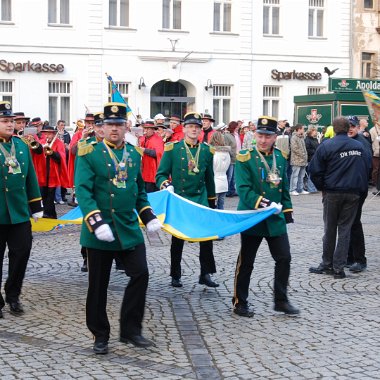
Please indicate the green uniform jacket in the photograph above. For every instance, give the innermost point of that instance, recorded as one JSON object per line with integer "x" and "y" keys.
{"x": 20, "y": 191}
{"x": 173, "y": 168}
{"x": 96, "y": 193}
{"x": 251, "y": 185}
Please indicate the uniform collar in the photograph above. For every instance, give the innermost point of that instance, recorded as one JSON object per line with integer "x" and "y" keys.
{"x": 112, "y": 145}
{"x": 267, "y": 153}
{"x": 4, "y": 140}
{"x": 191, "y": 145}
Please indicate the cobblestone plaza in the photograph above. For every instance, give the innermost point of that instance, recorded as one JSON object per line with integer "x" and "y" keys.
{"x": 197, "y": 336}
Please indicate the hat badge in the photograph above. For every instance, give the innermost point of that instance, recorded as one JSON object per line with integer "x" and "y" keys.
{"x": 264, "y": 121}
{"x": 114, "y": 108}
{"x": 7, "y": 106}
{"x": 196, "y": 115}
{"x": 101, "y": 115}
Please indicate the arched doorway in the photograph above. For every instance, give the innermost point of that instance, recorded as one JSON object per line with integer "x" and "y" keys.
{"x": 169, "y": 98}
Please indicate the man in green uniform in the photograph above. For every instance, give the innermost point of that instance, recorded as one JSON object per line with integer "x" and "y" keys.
{"x": 109, "y": 190}
{"x": 19, "y": 196}
{"x": 261, "y": 180}
{"x": 186, "y": 168}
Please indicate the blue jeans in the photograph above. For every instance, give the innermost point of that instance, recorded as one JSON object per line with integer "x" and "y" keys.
{"x": 220, "y": 200}
{"x": 296, "y": 179}
{"x": 231, "y": 180}
{"x": 58, "y": 194}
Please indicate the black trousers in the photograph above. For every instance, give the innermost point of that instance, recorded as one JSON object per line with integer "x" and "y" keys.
{"x": 132, "y": 309}
{"x": 280, "y": 250}
{"x": 150, "y": 187}
{"x": 356, "y": 250}
{"x": 18, "y": 237}
{"x": 48, "y": 195}
{"x": 206, "y": 257}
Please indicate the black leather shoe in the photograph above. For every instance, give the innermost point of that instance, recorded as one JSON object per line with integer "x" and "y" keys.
{"x": 205, "y": 279}
{"x": 321, "y": 269}
{"x": 15, "y": 308}
{"x": 84, "y": 267}
{"x": 1, "y": 314}
{"x": 137, "y": 340}
{"x": 243, "y": 311}
{"x": 339, "y": 274}
{"x": 286, "y": 307}
{"x": 177, "y": 283}
{"x": 101, "y": 348}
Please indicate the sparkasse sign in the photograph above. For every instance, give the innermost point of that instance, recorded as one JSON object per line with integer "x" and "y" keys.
{"x": 28, "y": 66}
{"x": 300, "y": 75}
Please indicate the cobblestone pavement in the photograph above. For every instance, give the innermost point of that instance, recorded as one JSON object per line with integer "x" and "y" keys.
{"x": 337, "y": 335}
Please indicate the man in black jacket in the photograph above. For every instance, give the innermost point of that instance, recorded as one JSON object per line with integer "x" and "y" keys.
{"x": 340, "y": 169}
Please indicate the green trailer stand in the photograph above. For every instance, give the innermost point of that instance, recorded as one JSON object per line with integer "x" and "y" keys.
{"x": 345, "y": 99}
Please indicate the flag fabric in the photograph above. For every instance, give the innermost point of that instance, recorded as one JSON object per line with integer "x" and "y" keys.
{"x": 180, "y": 217}
{"x": 116, "y": 96}
{"x": 373, "y": 104}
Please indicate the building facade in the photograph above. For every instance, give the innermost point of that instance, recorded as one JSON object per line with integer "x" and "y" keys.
{"x": 236, "y": 59}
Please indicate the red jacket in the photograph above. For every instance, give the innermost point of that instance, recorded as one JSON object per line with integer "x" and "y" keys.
{"x": 200, "y": 138}
{"x": 178, "y": 134}
{"x": 57, "y": 174}
{"x": 150, "y": 164}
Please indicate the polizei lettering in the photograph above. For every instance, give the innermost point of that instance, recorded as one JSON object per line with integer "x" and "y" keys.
{"x": 350, "y": 153}
{"x": 10, "y": 67}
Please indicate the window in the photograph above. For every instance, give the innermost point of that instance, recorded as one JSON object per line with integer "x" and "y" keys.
{"x": 315, "y": 90}
{"x": 59, "y": 101}
{"x": 271, "y": 17}
{"x": 222, "y": 16}
{"x": 5, "y": 10}
{"x": 316, "y": 12}
{"x": 271, "y": 100}
{"x": 368, "y": 4}
{"x": 367, "y": 59}
{"x": 123, "y": 88}
{"x": 171, "y": 14}
{"x": 58, "y": 12}
{"x": 222, "y": 104}
{"x": 6, "y": 90}
{"x": 119, "y": 13}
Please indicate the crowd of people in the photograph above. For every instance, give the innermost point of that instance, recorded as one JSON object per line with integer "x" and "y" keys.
{"x": 110, "y": 166}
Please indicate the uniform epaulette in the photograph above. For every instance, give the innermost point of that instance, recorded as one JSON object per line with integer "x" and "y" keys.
{"x": 212, "y": 149}
{"x": 243, "y": 156}
{"x": 169, "y": 146}
{"x": 139, "y": 150}
{"x": 86, "y": 148}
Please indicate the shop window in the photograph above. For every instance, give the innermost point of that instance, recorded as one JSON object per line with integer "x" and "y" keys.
{"x": 119, "y": 13}
{"x": 222, "y": 16}
{"x": 314, "y": 90}
{"x": 123, "y": 88}
{"x": 59, "y": 101}
{"x": 367, "y": 63}
{"x": 59, "y": 12}
{"x": 171, "y": 14}
{"x": 6, "y": 90}
{"x": 222, "y": 104}
{"x": 271, "y": 17}
{"x": 368, "y": 4}
{"x": 5, "y": 10}
{"x": 271, "y": 100}
{"x": 316, "y": 18}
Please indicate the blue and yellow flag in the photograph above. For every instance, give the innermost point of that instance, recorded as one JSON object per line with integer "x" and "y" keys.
{"x": 181, "y": 218}
{"x": 373, "y": 104}
{"x": 116, "y": 96}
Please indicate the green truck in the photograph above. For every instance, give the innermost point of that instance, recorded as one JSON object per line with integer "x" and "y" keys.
{"x": 345, "y": 97}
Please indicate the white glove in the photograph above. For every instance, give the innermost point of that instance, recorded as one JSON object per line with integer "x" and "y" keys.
{"x": 104, "y": 233}
{"x": 37, "y": 215}
{"x": 154, "y": 225}
{"x": 170, "y": 188}
{"x": 277, "y": 206}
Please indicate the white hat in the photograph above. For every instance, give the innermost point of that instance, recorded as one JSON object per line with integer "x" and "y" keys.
{"x": 159, "y": 116}
{"x": 220, "y": 127}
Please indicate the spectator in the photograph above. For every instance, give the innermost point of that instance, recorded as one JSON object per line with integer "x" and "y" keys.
{"x": 232, "y": 139}
{"x": 311, "y": 143}
{"x": 298, "y": 161}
